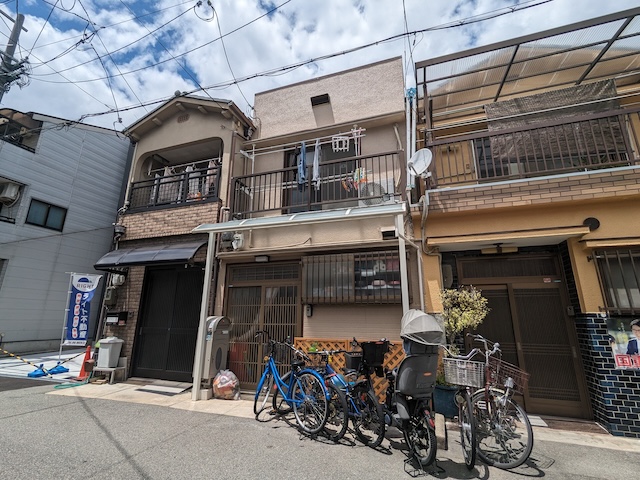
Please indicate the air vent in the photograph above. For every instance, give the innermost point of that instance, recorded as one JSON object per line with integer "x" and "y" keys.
{"x": 320, "y": 100}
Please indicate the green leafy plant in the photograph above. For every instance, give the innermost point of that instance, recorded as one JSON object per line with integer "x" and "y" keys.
{"x": 462, "y": 308}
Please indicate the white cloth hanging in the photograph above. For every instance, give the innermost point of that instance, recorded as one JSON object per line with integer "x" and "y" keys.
{"x": 315, "y": 178}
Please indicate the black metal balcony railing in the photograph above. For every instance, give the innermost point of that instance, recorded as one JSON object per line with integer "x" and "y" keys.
{"x": 582, "y": 143}
{"x": 180, "y": 189}
{"x": 347, "y": 182}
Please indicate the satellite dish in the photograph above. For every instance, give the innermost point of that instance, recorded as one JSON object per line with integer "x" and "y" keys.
{"x": 420, "y": 161}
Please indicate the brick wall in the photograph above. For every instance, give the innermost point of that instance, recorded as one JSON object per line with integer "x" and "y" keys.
{"x": 178, "y": 220}
{"x": 615, "y": 394}
{"x": 572, "y": 187}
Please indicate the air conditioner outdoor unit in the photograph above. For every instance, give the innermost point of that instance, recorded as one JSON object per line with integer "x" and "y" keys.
{"x": 9, "y": 192}
{"x": 381, "y": 190}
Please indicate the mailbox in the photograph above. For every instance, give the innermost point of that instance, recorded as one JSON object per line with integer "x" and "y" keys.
{"x": 216, "y": 347}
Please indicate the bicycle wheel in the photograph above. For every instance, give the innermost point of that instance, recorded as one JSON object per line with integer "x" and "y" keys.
{"x": 262, "y": 393}
{"x": 368, "y": 422}
{"x": 310, "y": 406}
{"x": 505, "y": 436}
{"x": 338, "y": 417}
{"x": 467, "y": 431}
{"x": 421, "y": 438}
{"x": 280, "y": 405}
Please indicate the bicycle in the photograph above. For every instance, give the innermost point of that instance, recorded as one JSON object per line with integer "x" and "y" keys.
{"x": 304, "y": 390}
{"x": 459, "y": 370}
{"x": 362, "y": 407}
{"x": 354, "y": 401}
{"x": 504, "y": 432}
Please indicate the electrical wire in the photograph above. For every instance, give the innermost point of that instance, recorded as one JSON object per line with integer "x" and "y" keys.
{"x": 42, "y": 29}
{"x": 224, "y": 49}
{"x": 281, "y": 70}
{"x": 188, "y": 51}
{"x": 124, "y": 46}
{"x": 43, "y": 45}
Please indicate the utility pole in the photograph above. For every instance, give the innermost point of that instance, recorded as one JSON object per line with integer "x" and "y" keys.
{"x": 10, "y": 71}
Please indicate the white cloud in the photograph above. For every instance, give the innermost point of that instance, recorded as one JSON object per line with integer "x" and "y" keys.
{"x": 301, "y": 30}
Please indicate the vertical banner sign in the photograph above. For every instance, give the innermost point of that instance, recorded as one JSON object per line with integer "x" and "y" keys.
{"x": 79, "y": 308}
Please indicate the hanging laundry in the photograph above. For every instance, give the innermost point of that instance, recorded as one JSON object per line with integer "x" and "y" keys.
{"x": 302, "y": 167}
{"x": 315, "y": 178}
{"x": 340, "y": 143}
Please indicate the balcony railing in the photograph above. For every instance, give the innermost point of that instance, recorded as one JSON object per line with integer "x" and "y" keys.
{"x": 171, "y": 190}
{"x": 347, "y": 182}
{"x": 582, "y": 143}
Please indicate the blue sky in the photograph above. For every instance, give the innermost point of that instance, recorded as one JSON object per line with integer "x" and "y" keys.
{"x": 109, "y": 62}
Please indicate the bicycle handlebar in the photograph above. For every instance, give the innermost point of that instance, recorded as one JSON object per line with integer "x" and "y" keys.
{"x": 479, "y": 338}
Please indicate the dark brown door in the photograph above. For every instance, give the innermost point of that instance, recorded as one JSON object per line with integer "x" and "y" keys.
{"x": 528, "y": 319}
{"x": 168, "y": 325}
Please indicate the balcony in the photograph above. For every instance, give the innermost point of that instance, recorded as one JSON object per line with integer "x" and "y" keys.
{"x": 347, "y": 182}
{"x": 580, "y": 143}
{"x": 186, "y": 188}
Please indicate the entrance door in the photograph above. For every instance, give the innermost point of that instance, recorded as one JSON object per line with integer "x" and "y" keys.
{"x": 168, "y": 326}
{"x": 272, "y": 306}
{"x": 528, "y": 318}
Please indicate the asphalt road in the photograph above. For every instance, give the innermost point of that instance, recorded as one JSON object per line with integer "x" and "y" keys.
{"x": 60, "y": 437}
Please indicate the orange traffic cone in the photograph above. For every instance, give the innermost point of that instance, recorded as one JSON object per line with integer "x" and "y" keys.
{"x": 85, "y": 370}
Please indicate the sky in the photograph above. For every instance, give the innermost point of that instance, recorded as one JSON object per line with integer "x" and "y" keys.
{"x": 111, "y": 62}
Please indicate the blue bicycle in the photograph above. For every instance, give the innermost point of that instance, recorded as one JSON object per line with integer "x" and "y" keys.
{"x": 304, "y": 389}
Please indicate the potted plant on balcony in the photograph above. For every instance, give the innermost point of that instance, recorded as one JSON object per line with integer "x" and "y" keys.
{"x": 463, "y": 308}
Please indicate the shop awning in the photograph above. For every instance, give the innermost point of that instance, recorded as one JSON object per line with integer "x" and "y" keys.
{"x": 516, "y": 238}
{"x": 125, "y": 257}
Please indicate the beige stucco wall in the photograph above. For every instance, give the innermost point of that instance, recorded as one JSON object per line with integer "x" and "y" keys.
{"x": 364, "y": 92}
{"x": 617, "y": 221}
{"x": 365, "y": 322}
{"x": 347, "y": 234}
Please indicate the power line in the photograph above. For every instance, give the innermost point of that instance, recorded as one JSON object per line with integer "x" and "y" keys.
{"x": 288, "y": 68}
{"x": 224, "y": 49}
{"x": 188, "y": 51}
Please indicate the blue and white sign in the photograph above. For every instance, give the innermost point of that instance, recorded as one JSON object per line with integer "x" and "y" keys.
{"x": 79, "y": 308}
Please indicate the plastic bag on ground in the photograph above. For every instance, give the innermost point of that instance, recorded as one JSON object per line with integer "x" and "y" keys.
{"x": 226, "y": 386}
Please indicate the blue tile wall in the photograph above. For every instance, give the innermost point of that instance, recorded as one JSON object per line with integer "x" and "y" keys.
{"x": 615, "y": 394}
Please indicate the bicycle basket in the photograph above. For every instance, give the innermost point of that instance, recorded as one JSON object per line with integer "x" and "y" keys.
{"x": 502, "y": 371}
{"x": 282, "y": 353}
{"x": 463, "y": 372}
{"x": 373, "y": 352}
{"x": 352, "y": 360}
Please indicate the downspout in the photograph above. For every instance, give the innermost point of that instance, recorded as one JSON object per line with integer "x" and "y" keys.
{"x": 198, "y": 360}
{"x": 420, "y": 276}
{"x": 402, "y": 251}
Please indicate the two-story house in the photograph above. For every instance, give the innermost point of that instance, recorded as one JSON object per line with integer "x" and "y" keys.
{"x": 179, "y": 174}
{"x": 533, "y": 195}
{"x": 60, "y": 187}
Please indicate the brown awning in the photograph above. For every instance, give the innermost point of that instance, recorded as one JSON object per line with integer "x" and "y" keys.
{"x": 125, "y": 257}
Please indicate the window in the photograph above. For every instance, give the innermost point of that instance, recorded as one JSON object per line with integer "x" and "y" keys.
{"x": 46, "y": 215}
{"x": 619, "y": 272}
{"x": 372, "y": 277}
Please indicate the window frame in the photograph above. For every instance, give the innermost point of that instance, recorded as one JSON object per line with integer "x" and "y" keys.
{"x": 627, "y": 281}
{"x": 49, "y": 207}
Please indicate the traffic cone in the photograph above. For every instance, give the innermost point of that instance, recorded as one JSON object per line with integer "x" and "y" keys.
{"x": 83, "y": 373}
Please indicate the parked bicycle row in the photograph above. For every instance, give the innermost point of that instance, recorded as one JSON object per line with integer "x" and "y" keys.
{"x": 491, "y": 423}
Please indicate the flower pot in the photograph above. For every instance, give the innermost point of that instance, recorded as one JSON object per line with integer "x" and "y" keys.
{"x": 444, "y": 400}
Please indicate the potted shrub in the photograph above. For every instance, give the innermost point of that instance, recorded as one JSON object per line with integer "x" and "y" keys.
{"x": 463, "y": 308}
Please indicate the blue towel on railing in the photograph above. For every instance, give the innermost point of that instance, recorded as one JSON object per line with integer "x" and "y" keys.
{"x": 302, "y": 167}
